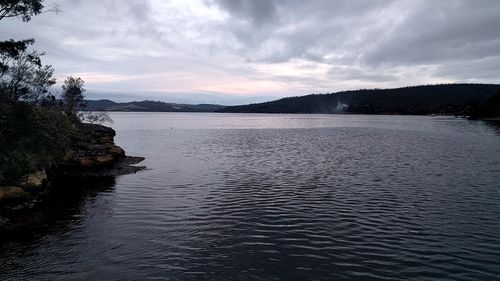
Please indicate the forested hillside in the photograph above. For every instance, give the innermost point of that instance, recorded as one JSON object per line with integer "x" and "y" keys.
{"x": 429, "y": 99}
{"x": 150, "y": 106}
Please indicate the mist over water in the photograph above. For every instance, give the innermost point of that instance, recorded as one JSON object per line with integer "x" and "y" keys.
{"x": 276, "y": 197}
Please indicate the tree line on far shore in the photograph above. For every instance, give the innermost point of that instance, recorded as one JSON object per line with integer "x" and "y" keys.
{"x": 475, "y": 100}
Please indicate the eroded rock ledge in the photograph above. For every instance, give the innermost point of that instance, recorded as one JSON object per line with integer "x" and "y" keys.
{"x": 92, "y": 153}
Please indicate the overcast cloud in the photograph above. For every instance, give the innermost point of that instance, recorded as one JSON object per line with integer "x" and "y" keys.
{"x": 237, "y": 51}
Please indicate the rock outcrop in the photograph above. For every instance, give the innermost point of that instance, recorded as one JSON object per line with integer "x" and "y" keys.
{"x": 12, "y": 194}
{"x": 14, "y": 197}
{"x": 36, "y": 179}
{"x": 92, "y": 146}
{"x": 91, "y": 153}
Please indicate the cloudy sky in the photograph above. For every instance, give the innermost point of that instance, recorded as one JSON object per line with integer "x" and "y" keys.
{"x": 239, "y": 51}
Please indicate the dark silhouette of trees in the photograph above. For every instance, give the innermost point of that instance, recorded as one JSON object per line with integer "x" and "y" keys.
{"x": 23, "y": 77}
{"x": 74, "y": 103}
{"x": 72, "y": 97}
{"x": 33, "y": 130}
{"x": 451, "y": 99}
{"x": 489, "y": 109}
{"x": 20, "y": 8}
{"x": 31, "y": 137}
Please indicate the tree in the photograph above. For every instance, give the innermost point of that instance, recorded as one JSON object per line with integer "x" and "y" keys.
{"x": 11, "y": 50}
{"x": 32, "y": 136}
{"x": 488, "y": 109}
{"x": 22, "y": 75}
{"x": 73, "y": 98}
{"x": 20, "y": 8}
{"x": 95, "y": 117}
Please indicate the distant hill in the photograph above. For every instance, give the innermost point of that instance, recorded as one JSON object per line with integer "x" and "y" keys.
{"x": 444, "y": 99}
{"x": 150, "y": 106}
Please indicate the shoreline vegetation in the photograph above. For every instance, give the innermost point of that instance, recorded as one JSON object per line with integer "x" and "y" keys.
{"x": 44, "y": 138}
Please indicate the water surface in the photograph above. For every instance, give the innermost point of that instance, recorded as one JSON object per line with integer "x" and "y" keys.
{"x": 276, "y": 197}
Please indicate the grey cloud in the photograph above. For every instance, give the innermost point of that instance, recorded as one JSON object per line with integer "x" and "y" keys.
{"x": 481, "y": 70}
{"x": 150, "y": 45}
{"x": 256, "y": 12}
{"x": 437, "y": 31}
{"x": 310, "y": 29}
{"x": 372, "y": 33}
{"x": 362, "y": 74}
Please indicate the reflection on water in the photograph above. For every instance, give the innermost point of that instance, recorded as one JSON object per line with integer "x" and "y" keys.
{"x": 493, "y": 124}
{"x": 278, "y": 197}
{"x": 59, "y": 211}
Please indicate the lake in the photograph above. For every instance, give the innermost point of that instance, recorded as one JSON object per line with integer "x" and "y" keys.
{"x": 275, "y": 197}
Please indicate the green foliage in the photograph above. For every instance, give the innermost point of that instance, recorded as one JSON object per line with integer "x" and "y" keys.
{"x": 73, "y": 97}
{"x": 34, "y": 133}
{"x": 31, "y": 137}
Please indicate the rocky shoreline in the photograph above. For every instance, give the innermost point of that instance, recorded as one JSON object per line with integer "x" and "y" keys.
{"x": 92, "y": 154}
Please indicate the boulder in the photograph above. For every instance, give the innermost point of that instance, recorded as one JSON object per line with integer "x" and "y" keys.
{"x": 35, "y": 180}
{"x": 93, "y": 146}
{"x": 12, "y": 193}
{"x": 93, "y": 153}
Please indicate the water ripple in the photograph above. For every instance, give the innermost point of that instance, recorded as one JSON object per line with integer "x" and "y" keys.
{"x": 344, "y": 203}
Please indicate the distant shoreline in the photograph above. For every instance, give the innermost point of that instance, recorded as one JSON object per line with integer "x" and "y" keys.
{"x": 444, "y": 99}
